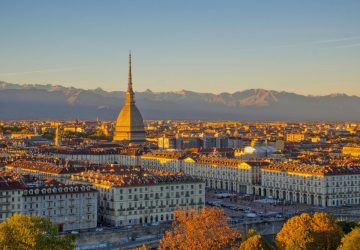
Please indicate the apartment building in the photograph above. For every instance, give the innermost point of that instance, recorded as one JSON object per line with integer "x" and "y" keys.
{"x": 42, "y": 169}
{"x": 312, "y": 184}
{"x": 130, "y": 157}
{"x": 11, "y": 189}
{"x": 163, "y": 160}
{"x": 225, "y": 174}
{"x": 129, "y": 196}
{"x": 94, "y": 155}
{"x": 71, "y": 207}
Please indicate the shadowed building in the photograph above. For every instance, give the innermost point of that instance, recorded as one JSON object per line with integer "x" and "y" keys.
{"x": 129, "y": 124}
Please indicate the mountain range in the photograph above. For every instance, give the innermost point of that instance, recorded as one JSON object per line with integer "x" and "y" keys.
{"x": 58, "y": 102}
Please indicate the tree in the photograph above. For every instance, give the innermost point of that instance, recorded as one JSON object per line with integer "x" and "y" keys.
{"x": 255, "y": 242}
{"x": 319, "y": 231}
{"x": 250, "y": 233}
{"x": 23, "y": 232}
{"x": 296, "y": 233}
{"x": 351, "y": 241}
{"x": 143, "y": 247}
{"x": 327, "y": 232}
{"x": 207, "y": 229}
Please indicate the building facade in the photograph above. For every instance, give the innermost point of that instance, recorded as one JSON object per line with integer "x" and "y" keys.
{"x": 71, "y": 207}
{"x": 225, "y": 174}
{"x": 132, "y": 197}
{"x": 312, "y": 184}
{"x": 163, "y": 161}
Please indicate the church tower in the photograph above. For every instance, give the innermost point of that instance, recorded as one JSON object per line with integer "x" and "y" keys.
{"x": 129, "y": 124}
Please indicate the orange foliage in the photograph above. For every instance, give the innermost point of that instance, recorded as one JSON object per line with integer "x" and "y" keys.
{"x": 255, "y": 242}
{"x": 319, "y": 231}
{"x": 328, "y": 233}
{"x": 207, "y": 229}
{"x": 351, "y": 241}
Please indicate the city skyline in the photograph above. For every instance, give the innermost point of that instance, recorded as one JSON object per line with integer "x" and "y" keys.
{"x": 307, "y": 48}
{"x": 180, "y": 124}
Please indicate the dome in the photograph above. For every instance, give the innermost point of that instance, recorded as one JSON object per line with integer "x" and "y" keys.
{"x": 129, "y": 124}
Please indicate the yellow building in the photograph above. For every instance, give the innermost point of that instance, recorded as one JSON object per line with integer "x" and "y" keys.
{"x": 295, "y": 137}
{"x": 353, "y": 150}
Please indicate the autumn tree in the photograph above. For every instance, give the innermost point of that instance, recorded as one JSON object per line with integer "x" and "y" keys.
{"x": 250, "y": 233}
{"x": 326, "y": 231}
{"x": 253, "y": 241}
{"x": 351, "y": 241}
{"x": 24, "y": 232}
{"x": 207, "y": 229}
{"x": 143, "y": 247}
{"x": 319, "y": 231}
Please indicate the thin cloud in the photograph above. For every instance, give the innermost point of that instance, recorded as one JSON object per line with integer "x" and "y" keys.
{"x": 40, "y": 71}
{"x": 327, "y": 41}
{"x": 337, "y": 40}
{"x": 348, "y": 45}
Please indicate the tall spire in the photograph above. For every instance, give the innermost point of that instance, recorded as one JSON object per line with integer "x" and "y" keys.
{"x": 130, "y": 93}
{"x": 130, "y": 75}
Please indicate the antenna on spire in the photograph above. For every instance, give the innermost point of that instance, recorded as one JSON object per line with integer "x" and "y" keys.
{"x": 130, "y": 75}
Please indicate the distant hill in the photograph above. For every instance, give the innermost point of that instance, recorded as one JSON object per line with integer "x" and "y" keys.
{"x": 58, "y": 102}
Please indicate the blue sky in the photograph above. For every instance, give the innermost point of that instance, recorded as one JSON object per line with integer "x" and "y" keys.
{"x": 308, "y": 47}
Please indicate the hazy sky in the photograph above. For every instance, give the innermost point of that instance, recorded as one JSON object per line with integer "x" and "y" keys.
{"x": 304, "y": 46}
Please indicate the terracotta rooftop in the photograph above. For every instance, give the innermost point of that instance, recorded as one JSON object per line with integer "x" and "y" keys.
{"x": 132, "y": 177}
{"x": 314, "y": 169}
{"x": 30, "y": 185}
{"x": 229, "y": 162}
{"x": 85, "y": 151}
{"x": 46, "y": 167}
{"x": 166, "y": 154}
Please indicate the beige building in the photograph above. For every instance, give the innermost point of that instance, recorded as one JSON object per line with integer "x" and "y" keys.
{"x": 312, "y": 184}
{"x": 163, "y": 160}
{"x": 97, "y": 155}
{"x": 11, "y": 189}
{"x": 71, "y": 207}
{"x": 130, "y": 157}
{"x": 225, "y": 174}
{"x": 129, "y": 196}
{"x": 42, "y": 170}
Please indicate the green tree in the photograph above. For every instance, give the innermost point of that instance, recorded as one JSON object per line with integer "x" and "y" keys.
{"x": 351, "y": 241}
{"x": 24, "y": 232}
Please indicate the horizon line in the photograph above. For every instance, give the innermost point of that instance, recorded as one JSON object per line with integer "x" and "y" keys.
{"x": 179, "y": 90}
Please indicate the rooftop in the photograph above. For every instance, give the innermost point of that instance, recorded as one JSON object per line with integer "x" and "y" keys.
{"x": 131, "y": 176}
{"x": 320, "y": 170}
{"x": 46, "y": 167}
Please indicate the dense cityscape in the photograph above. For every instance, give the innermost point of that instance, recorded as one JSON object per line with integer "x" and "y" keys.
{"x": 120, "y": 184}
{"x": 179, "y": 125}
